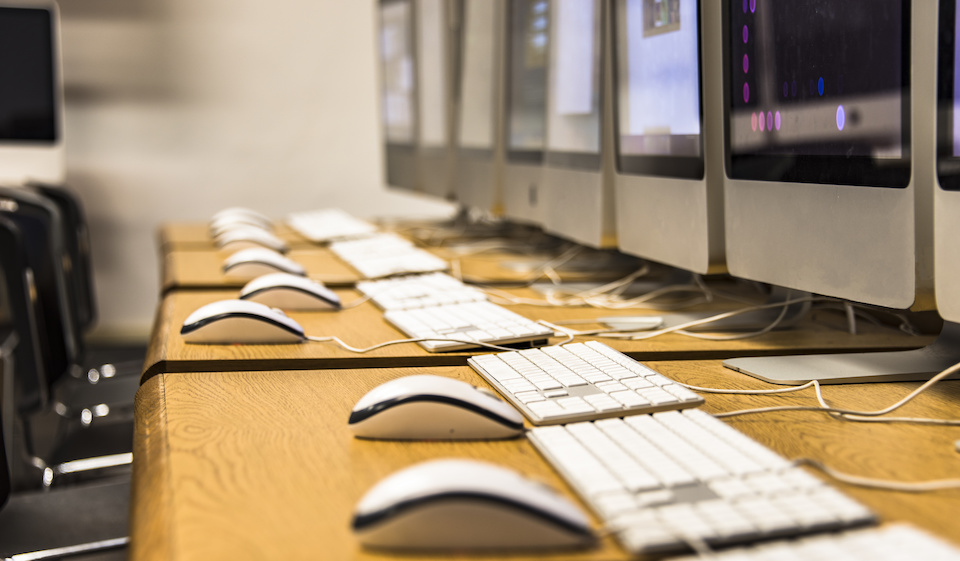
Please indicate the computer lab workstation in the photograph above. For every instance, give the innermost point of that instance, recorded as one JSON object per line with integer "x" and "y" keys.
{"x": 699, "y": 302}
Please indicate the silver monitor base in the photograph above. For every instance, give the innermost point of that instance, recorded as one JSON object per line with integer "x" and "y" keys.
{"x": 898, "y": 366}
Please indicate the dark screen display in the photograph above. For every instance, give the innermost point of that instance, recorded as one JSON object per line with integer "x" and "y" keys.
{"x": 27, "y": 83}
{"x": 948, "y": 96}
{"x": 822, "y": 88}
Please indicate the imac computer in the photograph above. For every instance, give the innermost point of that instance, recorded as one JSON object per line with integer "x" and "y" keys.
{"x": 577, "y": 188}
{"x": 830, "y": 114}
{"x": 669, "y": 132}
{"x": 479, "y": 144}
{"x": 399, "y": 102}
{"x": 525, "y": 112}
{"x": 435, "y": 96}
{"x": 946, "y": 218}
{"x": 31, "y": 99}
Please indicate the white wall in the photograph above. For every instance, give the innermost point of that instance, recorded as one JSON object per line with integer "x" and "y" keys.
{"x": 177, "y": 108}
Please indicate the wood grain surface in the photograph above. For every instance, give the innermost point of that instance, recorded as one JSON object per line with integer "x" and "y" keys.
{"x": 364, "y": 326}
{"x": 202, "y": 270}
{"x": 261, "y": 465}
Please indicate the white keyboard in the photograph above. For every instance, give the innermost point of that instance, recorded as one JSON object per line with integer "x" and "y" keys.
{"x": 580, "y": 382}
{"x": 384, "y": 255}
{"x": 419, "y": 291}
{"x": 325, "y": 225}
{"x": 889, "y": 543}
{"x": 661, "y": 480}
{"x": 476, "y": 321}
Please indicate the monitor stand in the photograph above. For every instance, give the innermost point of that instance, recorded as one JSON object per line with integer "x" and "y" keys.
{"x": 898, "y": 366}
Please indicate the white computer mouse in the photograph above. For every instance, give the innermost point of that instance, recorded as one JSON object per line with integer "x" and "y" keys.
{"x": 244, "y": 237}
{"x": 290, "y": 292}
{"x": 457, "y": 504}
{"x": 258, "y": 261}
{"x": 243, "y": 213}
{"x": 428, "y": 407}
{"x": 220, "y": 226}
{"x": 239, "y": 321}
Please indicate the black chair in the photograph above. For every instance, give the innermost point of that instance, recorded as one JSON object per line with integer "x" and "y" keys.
{"x": 68, "y": 448}
{"x": 97, "y": 361}
{"x": 62, "y": 522}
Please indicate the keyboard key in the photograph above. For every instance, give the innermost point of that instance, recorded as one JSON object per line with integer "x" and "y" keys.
{"x": 563, "y": 372}
{"x": 664, "y": 479}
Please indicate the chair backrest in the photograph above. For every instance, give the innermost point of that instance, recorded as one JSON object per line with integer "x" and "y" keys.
{"x": 41, "y": 228}
{"x": 77, "y": 244}
{"x": 5, "y": 480}
{"x": 18, "y": 298}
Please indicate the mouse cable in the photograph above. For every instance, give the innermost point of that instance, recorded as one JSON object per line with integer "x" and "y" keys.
{"x": 352, "y": 349}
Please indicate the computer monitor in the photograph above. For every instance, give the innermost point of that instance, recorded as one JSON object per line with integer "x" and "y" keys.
{"x": 578, "y": 187}
{"x": 435, "y": 71}
{"x": 669, "y": 132}
{"x": 527, "y": 52}
{"x": 31, "y": 99}
{"x": 830, "y": 163}
{"x": 398, "y": 87}
{"x": 480, "y": 116}
{"x": 947, "y": 195}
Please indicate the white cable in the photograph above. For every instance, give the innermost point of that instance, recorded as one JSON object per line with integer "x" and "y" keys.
{"x": 749, "y": 392}
{"x": 359, "y": 350}
{"x": 738, "y": 336}
{"x": 888, "y": 485}
{"x": 346, "y": 347}
{"x": 725, "y": 315}
{"x": 826, "y": 409}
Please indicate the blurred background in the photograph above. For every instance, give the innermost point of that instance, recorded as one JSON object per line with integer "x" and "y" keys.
{"x": 178, "y": 108}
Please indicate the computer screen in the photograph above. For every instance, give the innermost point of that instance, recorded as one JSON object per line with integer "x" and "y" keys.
{"x": 479, "y": 146}
{"x": 527, "y": 53}
{"x": 436, "y": 50}
{"x": 574, "y": 118}
{"x": 396, "y": 57}
{"x": 947, "y": 196}
{"x": 432, "y": 47}
{"x": 668, "y": 89}
{"x": 819, "y": 92}
{"x": 658, "y": 94}
{"x": 819, "y": 115}
{"x": 30, "y": 99}
{"x": 831, "y": 163}
{"x": 27, "y": 100}
{"x": 399, "y": 91}
{"x": 578, "y": 193}
{"x": 478, "y": 75}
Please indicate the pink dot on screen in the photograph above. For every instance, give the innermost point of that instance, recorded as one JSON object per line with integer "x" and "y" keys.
{"x": 776, "y": 120}
{"x": 841, "y": 117}
{"x": 746, "y": 64}
{"x": 762, "y": 125}
{"x": 746, "y": 34}
{"x": 746, "y": 92}
{"x": 769, "y": 121}
{"x": 753, "y": 121}
{"x": 753, "y": 6}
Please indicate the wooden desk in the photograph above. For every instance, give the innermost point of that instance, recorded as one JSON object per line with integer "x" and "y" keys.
{"x": 261, "y": 465}
{"x": 202, "y": 269}
{"x": 195, "y": 236}
{"x": 364, "y": 326}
